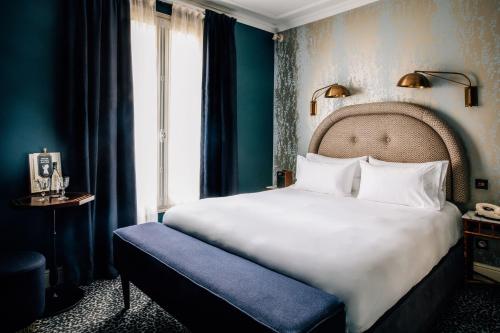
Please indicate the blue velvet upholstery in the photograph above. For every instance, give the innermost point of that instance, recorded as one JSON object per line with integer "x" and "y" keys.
{"x": 22, "y": 288}
{"x": 208, "y": 288}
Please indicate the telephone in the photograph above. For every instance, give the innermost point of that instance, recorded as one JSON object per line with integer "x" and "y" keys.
{"x": 488, "y": 210}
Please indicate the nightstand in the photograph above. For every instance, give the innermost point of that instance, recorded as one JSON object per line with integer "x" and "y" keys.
{"x": 475, "y": 225}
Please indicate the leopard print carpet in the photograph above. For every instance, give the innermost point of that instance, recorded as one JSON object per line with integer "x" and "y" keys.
{"x": 101, "y": 311}
{"x": 474, "y": 309}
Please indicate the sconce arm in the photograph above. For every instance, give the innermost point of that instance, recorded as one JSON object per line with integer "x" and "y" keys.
{"x": 315, "y": 94}
{"x": 433, "y": 73}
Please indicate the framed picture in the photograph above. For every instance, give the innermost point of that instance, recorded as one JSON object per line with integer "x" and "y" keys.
{"x": 41, "y": 167}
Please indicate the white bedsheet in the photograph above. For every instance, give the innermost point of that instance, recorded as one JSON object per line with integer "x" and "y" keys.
{"x": 367, "y": 253}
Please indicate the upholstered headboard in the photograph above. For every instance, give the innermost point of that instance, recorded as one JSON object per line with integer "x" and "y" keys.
{"x": 396, "y": 132}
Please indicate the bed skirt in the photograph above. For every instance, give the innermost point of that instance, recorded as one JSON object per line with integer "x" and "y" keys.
{"x": 418, "y": 309}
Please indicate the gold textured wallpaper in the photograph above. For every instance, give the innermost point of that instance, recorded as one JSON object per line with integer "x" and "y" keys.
{"x": 369, "y": 48}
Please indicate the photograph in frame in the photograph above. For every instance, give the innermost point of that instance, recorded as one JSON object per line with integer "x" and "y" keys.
{"x": 41, "y": 167}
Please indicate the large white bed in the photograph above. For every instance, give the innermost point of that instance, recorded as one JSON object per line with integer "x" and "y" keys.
{"x": 367, "y": 253}
{"x": 393, "y": 266}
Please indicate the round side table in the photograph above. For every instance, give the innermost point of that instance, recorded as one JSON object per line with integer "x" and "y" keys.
{"x": 58, "y": 297}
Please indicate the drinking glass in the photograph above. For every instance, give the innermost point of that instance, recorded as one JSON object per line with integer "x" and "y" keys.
{"x": 43, "y": 184}
{"x": 64, "y": 183}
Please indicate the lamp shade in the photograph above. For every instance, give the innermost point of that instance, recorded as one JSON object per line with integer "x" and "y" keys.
{"x": 414, "y": 80}
{"x": 337, "y": 91}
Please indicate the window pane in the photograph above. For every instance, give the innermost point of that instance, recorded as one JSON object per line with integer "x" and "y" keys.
{"x": 184, "y": 120}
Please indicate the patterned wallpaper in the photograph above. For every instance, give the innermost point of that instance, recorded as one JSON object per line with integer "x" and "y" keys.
{"x": 369, "y": 48}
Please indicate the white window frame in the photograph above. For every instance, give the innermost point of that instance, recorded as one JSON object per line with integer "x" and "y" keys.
{"x": 163, "y": 64}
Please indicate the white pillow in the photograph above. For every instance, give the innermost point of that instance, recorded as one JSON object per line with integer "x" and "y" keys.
{"x": 443, "y": 165}
{"x": 416, "y": 186}
{"x": 325, "y": 178}
{"x": 333, "y": 160}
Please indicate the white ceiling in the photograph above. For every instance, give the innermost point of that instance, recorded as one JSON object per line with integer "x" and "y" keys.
{"x": 280, "y": 15}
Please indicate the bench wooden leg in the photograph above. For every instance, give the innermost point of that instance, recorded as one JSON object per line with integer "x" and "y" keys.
{"x": 126, "y": 292}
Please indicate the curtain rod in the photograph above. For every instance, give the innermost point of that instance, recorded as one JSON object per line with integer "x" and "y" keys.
{"x": 240, "y": 17}
{"x": 197, "y": 5}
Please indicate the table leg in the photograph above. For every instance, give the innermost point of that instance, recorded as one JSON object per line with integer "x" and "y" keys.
{"x": 58, "y": 297}
{"x": 53, "y": 273}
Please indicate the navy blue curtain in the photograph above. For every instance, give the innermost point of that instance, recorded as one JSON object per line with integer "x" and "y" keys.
{"x": 99, "y": 120}
{"x": 219, "y": 158}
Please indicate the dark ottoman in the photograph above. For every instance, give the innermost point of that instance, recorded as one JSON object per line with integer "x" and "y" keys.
{"x": 22, "y": 288}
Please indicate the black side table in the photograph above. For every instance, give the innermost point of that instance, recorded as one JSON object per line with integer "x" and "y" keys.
{"x": 58, "y": 297}
{"x": 477, "y": 226}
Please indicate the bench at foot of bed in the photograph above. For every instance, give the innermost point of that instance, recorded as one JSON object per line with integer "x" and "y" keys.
{"x": 207, "y": 288}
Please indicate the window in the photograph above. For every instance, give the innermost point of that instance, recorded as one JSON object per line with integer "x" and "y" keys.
{"x": 179, "y": 63}
{"x": 167, "y": 117}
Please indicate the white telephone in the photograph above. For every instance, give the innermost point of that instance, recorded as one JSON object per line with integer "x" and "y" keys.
{"x": 488, "y": 210}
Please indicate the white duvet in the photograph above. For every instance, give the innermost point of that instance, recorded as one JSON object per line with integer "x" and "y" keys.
{"x": 368, "y": 254}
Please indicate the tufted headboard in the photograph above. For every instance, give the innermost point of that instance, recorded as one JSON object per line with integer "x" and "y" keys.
{"x": 396, "y": 132}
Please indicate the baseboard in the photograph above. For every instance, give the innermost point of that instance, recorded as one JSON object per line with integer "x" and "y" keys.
{"x": 60, "y": 275}
{"x": 491, "y": 272}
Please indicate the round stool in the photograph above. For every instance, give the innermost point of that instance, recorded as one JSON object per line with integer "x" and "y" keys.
{"x": 22, "y": 288}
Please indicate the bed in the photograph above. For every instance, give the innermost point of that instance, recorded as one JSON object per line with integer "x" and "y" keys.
{"x": 392, "y": 266}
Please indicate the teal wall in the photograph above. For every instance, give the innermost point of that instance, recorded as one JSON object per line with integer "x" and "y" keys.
{"x": 255, "y": 80}
{"x": 163, "y": 7}
{"x": 30, "y": 36}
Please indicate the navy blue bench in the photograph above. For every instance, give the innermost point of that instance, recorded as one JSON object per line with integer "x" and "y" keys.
{"x": 207, "y": 288}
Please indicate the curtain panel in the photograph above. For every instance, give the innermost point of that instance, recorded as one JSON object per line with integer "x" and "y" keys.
{"x": 143, "y": 11}
{"x": 145, "y": 82}
{"x": 100, "y": 125}
{"x": 184, "y": 112}
{"x": 219, "y": 156}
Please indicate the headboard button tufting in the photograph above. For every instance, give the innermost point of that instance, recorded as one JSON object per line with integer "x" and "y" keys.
{"x": 420, "y": 136}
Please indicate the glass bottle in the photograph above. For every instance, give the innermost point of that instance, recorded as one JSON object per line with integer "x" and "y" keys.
{"x": 55, "y": 180}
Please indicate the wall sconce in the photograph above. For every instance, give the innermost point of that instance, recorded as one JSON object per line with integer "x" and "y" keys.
{"x": 418, "y": 80}
{"x": 331, "y": 91}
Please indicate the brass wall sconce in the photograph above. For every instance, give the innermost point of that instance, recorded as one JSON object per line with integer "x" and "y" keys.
{"x": 331, "y": 91}
{"x": 418, "y": 80}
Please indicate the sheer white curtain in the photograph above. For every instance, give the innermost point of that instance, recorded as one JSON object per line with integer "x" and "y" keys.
{"x": 143, "y": 37}
{"x": 184, "y": 119}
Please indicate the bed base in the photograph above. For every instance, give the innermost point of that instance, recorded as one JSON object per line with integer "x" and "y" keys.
{"x": 419, "y": 308}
